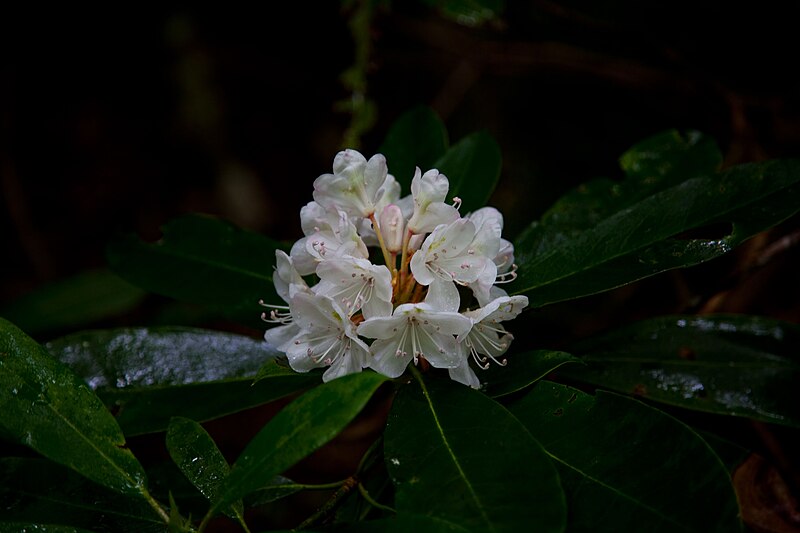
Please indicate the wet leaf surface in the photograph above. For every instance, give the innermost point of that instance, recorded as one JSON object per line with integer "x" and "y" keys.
{"x": 726, "y": 364}
{"x": 51, "y": 410}
{"x": 147, "y": 375}
{"x": 196, "y": 455}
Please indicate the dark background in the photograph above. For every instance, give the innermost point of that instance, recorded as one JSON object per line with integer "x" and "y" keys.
{"x": 116, "y": 120}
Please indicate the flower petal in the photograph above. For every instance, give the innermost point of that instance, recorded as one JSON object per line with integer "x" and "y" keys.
{"x": 385, "y": 358}
{"x": 443, "y": 296}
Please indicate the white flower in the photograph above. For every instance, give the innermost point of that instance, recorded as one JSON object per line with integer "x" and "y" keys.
{"x": 326, "y": 337}
{"x": 448, "y": 255}
{"x": 333, "y": 235}
{"x": 488, "y": 242}
{"x": 487, "y": 336}
{"x": 287, "y": 283}
{"x": 429, "y": 191}
{"x": 286, "y": 278}
{"x": 356, "y": 185}
{"x": 354, "y": 284}
{"x": 357, "y": 206}
{"x": 414, "y": 331}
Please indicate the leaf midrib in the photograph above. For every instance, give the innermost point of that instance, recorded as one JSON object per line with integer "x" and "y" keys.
{"x": 452, "y": 455}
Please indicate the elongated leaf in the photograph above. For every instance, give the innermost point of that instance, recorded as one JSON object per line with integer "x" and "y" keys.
{"x": 73, "y": 302}
{"x": 148, "y": 375}
{"x": 606, "y": 234}
{"x": 666, "y": 159}
{"x": 417, "y": 139}
{"x": 457, "y": 456}
{"x": 522, "y": 370}
{"x": 40, "y": 491}
{"x": 202, "y": 260}
{"x": 141, "y": 357}
{"x": 195, "y": 453}
{"x": 473, "y": 167}
{"x": 300, "y": 428}
{"x": 725, "y": 364}
{"x": 404, "y": 522}
{"x": 626, "y": 466}
{"x": 278, "y": 487}
{"x": 49, "y": 409}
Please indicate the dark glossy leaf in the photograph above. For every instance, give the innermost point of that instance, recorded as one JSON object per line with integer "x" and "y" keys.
{"x": 278, "y": 487}
{"x": 148, "y": 375}
{"x": 726, "y": 364}
{"x": 473, "y": 167}
{"x": 626, "y": 466}
{"x": 48, "y": 408}
{"x": 73, "y": 302}
{"x": 198, "y": 457}
{"x": 606, "y": 234}
{"x": 730, "y": 453}
{"x": 458, "y": 456}
{"x": 37, "y": 527}
{"x": 202, "y": 260}
{"x": 300, "y": 428}
{"x": 417, "y": 139}
{"x": 522, "y": 370}
{"x": 667, "y": 159}
{"x": 403, "y": 523}
{"x": 40, "y": 491}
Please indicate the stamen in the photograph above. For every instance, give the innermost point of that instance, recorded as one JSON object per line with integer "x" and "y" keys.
{"x": 507, "y": 277}
{"x": 456, "y": 202}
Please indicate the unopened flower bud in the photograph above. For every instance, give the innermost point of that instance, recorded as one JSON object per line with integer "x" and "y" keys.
{"x": 392, "y": 227}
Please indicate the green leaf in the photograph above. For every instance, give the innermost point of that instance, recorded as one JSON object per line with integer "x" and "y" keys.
{"x": 148, "y": 375}
{"x": 49, "y": 409}
{"x": 195, "y": 453}
{"x": 36, "y": 527}
{"x": 473, "y": 167}
{"x": 626, "y": 466}
{"x": 40, "y": 491}
{"x": 278, "y": 487}
{"x": 202, "y": 260}
{"x": 458, "y": 456}
{"x": 606, "y": 234}
{"x": 725, "y": 364}
{"x": 522, "y": 370}
{"x": 300, "y": 428}
{"x": 417, "y": 139}
{"x": 73, "y": 302}
{"x": 668, "y": 158}
{"x": 403, "y": 523}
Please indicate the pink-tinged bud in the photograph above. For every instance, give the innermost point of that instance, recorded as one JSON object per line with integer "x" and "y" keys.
{"x": 392, "y": 227}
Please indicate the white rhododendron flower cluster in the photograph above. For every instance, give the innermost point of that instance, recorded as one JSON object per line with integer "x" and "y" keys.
{"x": 384, "y": 316}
